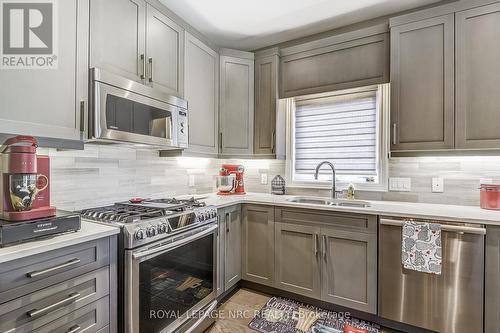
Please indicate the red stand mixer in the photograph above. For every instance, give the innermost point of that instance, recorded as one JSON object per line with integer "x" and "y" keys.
{"x": 25, "y": 181}
{"x": 230, "y": 180}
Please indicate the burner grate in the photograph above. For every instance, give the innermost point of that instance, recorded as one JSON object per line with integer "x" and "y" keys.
{"x": 122, "y": 214}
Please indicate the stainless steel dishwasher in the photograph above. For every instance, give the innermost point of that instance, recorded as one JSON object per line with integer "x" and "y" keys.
{"x": 451, "y": 302}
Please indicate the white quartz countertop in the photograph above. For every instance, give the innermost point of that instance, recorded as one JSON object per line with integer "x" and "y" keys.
{"x": 452, "y": 213}
{"x": 88, "y": 232}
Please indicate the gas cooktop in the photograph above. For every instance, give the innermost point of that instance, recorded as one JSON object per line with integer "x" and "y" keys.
{"x": 137, "y": 210}
{"x": 144, "y": 221}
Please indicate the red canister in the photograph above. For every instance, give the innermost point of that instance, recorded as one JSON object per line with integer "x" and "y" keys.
{"x": 490, "y": 196}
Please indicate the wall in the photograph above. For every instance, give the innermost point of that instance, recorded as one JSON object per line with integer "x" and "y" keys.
{"x": 461, "y": 179}
{"x": 101, "y": 175}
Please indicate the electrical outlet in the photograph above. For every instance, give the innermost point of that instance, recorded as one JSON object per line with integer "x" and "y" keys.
{"x": 263, "y": 178}
{"x": 400, "y": 184}
{"x": 191, "y": 180}
{"x": 437, "y": 185}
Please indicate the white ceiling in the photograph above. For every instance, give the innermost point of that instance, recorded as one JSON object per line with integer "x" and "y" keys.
{"x": 253, "y": 24}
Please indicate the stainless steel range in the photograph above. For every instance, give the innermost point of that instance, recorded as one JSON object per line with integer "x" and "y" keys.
{"x": 167, "y": 263}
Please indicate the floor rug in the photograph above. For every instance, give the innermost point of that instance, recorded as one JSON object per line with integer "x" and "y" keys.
{"x": 282, "y": 315}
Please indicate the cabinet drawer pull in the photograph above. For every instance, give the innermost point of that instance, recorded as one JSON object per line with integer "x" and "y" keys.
{"x": 228, "y": 221}
{"x": 74, "y": 329}
{"x": 325, "y": 250}
{"x": 150, "y": 61}
{"x": 70, "y": 299}
{"x": 394, "y": 134}
{"x": 51, "y": 269}
{"x": 315, "y": 244}
{"x": 273, "y": 143}
{"x": 82, "y": 116}
{"x": 143, "y": 66}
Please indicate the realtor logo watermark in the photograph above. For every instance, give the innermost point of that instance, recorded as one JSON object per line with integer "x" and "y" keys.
{"x": 28, "y": 34}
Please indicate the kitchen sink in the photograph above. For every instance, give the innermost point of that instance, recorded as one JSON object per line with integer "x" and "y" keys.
{"x": 330, "y": 202}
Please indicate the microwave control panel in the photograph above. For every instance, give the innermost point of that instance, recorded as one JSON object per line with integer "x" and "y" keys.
{"x": 183, "y": 133}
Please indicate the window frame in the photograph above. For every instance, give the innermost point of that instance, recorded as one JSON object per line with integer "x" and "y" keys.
{"x": 383, "y": 109}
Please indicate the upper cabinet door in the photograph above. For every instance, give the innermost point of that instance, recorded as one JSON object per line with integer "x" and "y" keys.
{"x": 201, "y": 90}
{"x": 478, "y": 77}
{"x": 117, "y": 37}
{"x": 165, "y": 53}
{"x": 422, "y": 81}
{"x": 266, "y": 99}
{"x": 49, "y": 102}
{"x": 236, "y": 105}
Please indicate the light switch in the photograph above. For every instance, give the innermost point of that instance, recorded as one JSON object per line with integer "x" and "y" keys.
{"x": 437, "y": 185}
{"x": 399, "y": 184}
{"x": 263, "y": 178}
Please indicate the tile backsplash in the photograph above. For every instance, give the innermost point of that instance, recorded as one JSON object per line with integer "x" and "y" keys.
{"x": 101, "y": 175}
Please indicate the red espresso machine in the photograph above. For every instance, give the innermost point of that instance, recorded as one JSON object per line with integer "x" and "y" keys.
{"x": 25, "y": 181}
{"x": 231, "y": 180}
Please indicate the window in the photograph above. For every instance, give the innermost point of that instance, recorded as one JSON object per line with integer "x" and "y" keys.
{"x": 346, "y": 128}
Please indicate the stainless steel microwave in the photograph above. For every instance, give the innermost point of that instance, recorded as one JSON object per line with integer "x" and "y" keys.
{"x": 125, "y": 111}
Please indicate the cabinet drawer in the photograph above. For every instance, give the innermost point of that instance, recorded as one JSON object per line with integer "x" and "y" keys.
{"x": 92, "y": 318}
{"x": 42, "y": 307}
{"x": 26, "y": 275}
{"x": 358, "y": 222}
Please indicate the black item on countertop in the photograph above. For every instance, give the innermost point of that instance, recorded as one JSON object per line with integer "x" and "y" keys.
{"x": 278, "y": 185}
{"x": 12, "y": 233}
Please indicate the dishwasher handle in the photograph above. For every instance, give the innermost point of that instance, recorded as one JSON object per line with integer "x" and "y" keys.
{"x": 444, "y": 227}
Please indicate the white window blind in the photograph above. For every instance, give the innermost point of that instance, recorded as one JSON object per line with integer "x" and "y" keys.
{"x": 341, "y": 129}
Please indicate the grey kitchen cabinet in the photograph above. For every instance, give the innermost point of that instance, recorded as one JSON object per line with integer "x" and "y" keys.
{"x": 349, "y": 60}
{"x": 492, "y": 280}
{"x": 49, "y": 103}
{"x": 118, "y": 45}
{"x": 297, "y": 258}
{"x": 139, "y": 43}
{"x": 258, "y": 244}
{"x": 423, "y": 84}
{"x": 201, "y": 90}
{"x": 330, "y": 256}
{"x": 165, "y": 52}
{"x": 349, "y": 269}
{"x": 68, "y": 289}
{"x": 230, "y": 227}
{"x": 266, "y": 100}
{"x": 236, "y": 100}
{"x": 477, "y": 70}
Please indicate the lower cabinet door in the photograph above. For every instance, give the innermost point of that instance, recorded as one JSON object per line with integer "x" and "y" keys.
{"x": 298, "y": 259}
{"x": 232, "y": 272}
{"x": 258, "y": 244}
{"x": 349, "y": 269}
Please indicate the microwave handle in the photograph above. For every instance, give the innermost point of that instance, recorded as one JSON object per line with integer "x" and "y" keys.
{"x": 145, "y": 253}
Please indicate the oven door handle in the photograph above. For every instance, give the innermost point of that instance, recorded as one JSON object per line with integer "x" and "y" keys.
{"x": 145, "y": 253}
{"x": 206, "y": 313}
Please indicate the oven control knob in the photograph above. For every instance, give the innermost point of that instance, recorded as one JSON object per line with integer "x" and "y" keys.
{"x": 139, "y": 234}
{"x": 162, "y": 228}
{"x": 201, "y": 217}
{"x": 152, "y": 231}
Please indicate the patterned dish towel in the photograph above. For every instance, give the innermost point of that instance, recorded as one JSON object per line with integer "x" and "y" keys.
{"x": 421, "y": 247}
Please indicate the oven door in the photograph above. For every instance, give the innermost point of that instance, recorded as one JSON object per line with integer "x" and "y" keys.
{"x": 170, "y": 280}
